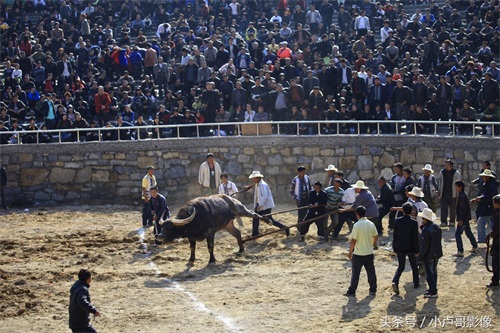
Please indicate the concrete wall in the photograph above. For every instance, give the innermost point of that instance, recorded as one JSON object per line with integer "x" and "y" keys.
{"x": 112, "y": 171}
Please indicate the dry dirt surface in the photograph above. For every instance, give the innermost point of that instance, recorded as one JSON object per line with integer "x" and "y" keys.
{"x": 276, "y": 285}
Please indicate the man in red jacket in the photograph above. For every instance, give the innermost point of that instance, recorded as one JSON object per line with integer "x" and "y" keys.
{"x": 102, "y": 102}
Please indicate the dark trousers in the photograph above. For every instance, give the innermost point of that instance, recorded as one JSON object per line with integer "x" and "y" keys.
{"x": 102, "y": 118}
{"x": 447, "y": 201}
{"x": 357, "y": 263}
{"x": 495, "y": 265}
{"x": 301, "y": 213}
{"x": 343, "y": 217}
{"x": 382, "y": 212}
{"x": 458, "y": 236}
{"x": 320, "y": 223}
{"x": 88, "y": 329}
{"x": 4, "y": 199}
{"x": 431, "y": 275}
{"x": 256, "y": 221}
{"x": 401, "y": 267}
{"x": 147, "y": 215}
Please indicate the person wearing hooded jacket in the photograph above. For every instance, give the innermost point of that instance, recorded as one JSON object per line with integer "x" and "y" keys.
{"x": 80, "y": 306}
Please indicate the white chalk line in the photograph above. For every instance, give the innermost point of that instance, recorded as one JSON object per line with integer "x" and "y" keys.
{"x": 228, "y": 322}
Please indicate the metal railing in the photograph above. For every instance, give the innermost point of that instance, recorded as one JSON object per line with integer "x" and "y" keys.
{"x": 292, "y": 128}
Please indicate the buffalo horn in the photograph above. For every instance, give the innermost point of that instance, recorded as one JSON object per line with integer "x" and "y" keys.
{"x": 181, "y": 222}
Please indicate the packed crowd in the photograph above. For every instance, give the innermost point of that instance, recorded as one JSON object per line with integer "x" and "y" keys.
{"x": 90, "y": 64}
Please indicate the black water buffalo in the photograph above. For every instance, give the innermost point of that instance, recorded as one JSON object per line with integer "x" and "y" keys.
{"x": 202, "y": 217}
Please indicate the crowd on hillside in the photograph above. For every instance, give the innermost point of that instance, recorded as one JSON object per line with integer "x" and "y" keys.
{"x": 95, "y": 63}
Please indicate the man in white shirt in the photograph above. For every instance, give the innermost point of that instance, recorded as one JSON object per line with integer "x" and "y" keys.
{"x": 384, "y": 31}
{"x": 226, "y": 187}
{"x": 362, "y": 24}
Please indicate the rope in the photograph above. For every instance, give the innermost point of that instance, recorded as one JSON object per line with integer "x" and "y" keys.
{"x": 292, "y": 226}
{"x": 293, "y": 209}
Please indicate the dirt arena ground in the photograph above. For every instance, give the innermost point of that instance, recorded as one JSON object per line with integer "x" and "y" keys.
{"x": 277, "y": 285}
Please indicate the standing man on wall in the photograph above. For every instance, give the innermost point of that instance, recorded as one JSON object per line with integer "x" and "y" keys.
{"x": 447, "y": 192}
{"x": 209, "y": 176}
{"x": 148, "y": 182}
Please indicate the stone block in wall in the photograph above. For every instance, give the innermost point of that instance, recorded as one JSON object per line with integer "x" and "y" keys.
{"x": 484, "y": 154}
{"x": 233, "y": 168}
{"x": 286, "y": 152}
{"x": 41, "y": 195}
{"x": 297, "y": 151}
{"x": 347, "y": 163}
{"x": 175, "y": 171}
{"x": 327, "y": 152}
{"x": 72, "y": 195}
{"x": 352, "y": 151}
{"x": 73, "y": 165}
{"x": 304, "y": 160}
{"x": 353, "y": 177}
{"x": 387, "y": 159}
{"x": 144, "y": 161}
{"x": 62, "y": 175}
{"x": 365, "y": 162}
{"x": 100, "y": 176}
{"x": 23, "y": 158}
{"x": 243, "y": 158}
{"x": 117, "y": 162}
{"x": 386, "y": 173}
{"x": 33, "y": 176}
{"x": 318, "y": 163}
{"x": 57, "y": 197}
{"x": 249, "y": 151}
{"x": 122, "y": 191}
{"x": 290, "y": 160}
{"x": 65, "y": 158}
{"x": 83, "y": 175}
{"x": 272, "y": 170}
{"x": 311, "y": 151}
{"x": 260, "y": 159}
{"x": 376, "y": 151}
{"x": 424, "y": 155}
{"x": 339, "y": 152}
{"x": 470, "y": 155}
{"x": 407, "y": 156}
{"x": 458, "y": 153}
{"x": 366, "y": 174}
{"x": 275, "y": 160}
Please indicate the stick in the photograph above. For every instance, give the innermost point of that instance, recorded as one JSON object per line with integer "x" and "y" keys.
{"x": 293, "y": 209}
{"x": 292, "y": 226}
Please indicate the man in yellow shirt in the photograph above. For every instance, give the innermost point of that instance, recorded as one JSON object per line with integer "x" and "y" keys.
{"x": 148, "y": 181}
{"x": 364, "y": 237}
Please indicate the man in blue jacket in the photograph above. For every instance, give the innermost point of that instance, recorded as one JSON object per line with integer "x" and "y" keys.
{"x": 405, "y": 243}
{"x": 80, "y": 306}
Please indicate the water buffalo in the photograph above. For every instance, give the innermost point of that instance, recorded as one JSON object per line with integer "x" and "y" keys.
{"x": 202, "y": 217}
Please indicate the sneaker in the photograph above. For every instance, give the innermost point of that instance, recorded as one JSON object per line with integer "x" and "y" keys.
{"x": 429, "y": 295}
{"x": 459, "y": 254}
{"x": 474, "y": 250}
{"x": 444, "y": 224}
{"x": 395, "y": 288}
{"x": 416, "y": 286}
{"x": 492, "y": 285}
{"x": 349, "y": 294}
{"x": 373, "y": 293}
{"x": 302, "y": 239}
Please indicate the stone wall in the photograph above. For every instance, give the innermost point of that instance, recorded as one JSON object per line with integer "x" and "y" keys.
{"x": 112, "y": 171}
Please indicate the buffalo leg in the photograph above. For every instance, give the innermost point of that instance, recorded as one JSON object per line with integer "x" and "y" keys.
{"x": 236, "y": 233}
{"x": 192, "y": 246}
{"x": 210, "y": 245}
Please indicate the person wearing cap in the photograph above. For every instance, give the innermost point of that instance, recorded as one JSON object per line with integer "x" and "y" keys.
{"x": 148, "y": 181}
{"x": 464, "y": 216}
{"x": 330, "y": 177}
{"x": 364, "y": 238}
{"x": 430, "y": 250}
{"x": 299, "y": 191}
{"x": 406, "y": 244}
{"x": 209, "y": 176}
{"x": 363, "y": 198}
{"x": 317, "y": 206}
{"x": 485, "y": 204}
{"x": 263, "y": 203}
{"x": 428, "y": 183}
{"x": 447, "y": 192}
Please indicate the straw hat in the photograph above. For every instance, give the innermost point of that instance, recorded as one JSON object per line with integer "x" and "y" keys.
{"x": 428, "y": 167}
{"x": 427, "y": 214}
{"x": 256, "y": 174}
{"x": 487, "y": 173}
{"x": 360, "y": 184}
{"x": 417, "y": 191}
{"x": 331, "y": 167}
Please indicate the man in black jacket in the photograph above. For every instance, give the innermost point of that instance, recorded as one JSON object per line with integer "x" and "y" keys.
{"x": 386, "y": 199}
{"x": 463, "y": 215}
{"x": 405, "y": 243}
{"x": 80, "y": 306}
{"x": 317, "y": 207}
{"x": 430, "y": 250}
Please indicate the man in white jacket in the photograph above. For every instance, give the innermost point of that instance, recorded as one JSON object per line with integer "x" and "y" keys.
{"x": 209, "y": 176}
{"x": 263, "y": 203}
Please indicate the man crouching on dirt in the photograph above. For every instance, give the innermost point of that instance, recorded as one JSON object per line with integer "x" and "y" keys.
{"x": 80, "y": 306}
{"x": 158, "y": 208}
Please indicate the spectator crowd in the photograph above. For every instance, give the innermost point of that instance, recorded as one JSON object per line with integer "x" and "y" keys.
{"x": 102, "y": 64}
